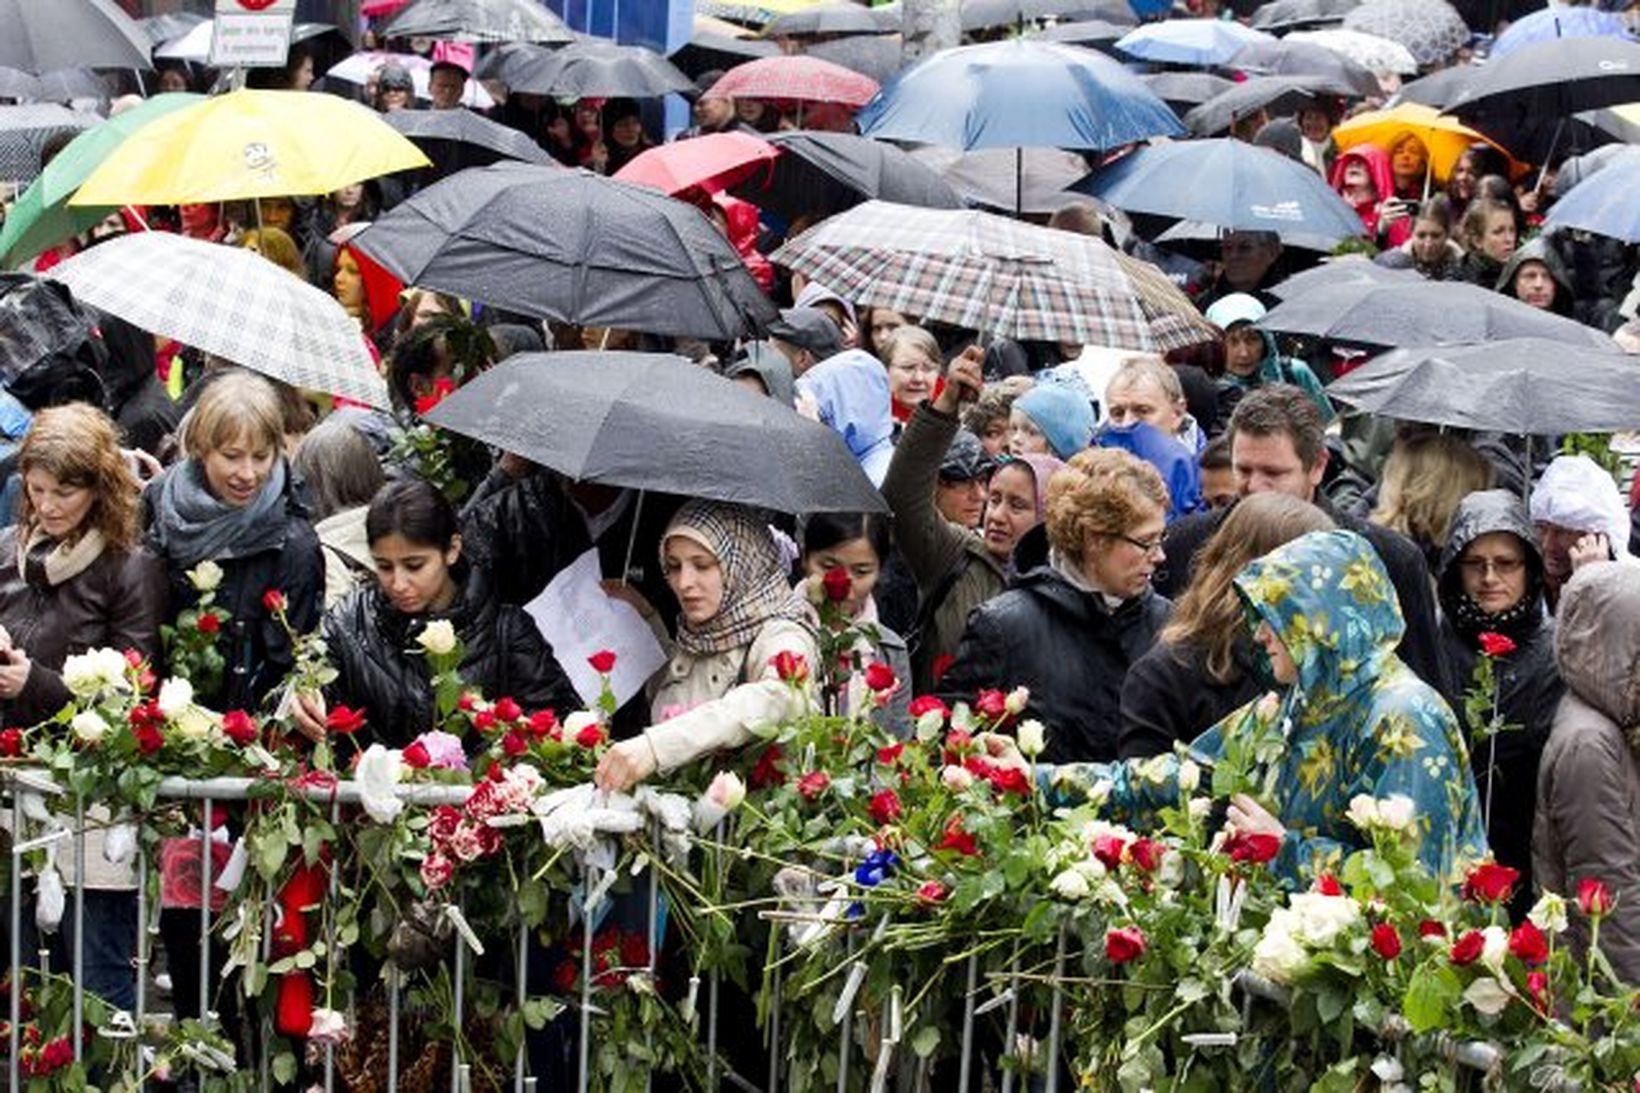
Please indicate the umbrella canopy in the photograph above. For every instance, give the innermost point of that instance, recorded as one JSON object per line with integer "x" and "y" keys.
{"x": 173, "y": 24}
{"x": 588, "y": 68}
{"x": 876, "y": 57}
{"x": 249, "y": 144}
{"x": 711, "y": 162}
{"x": 1183, "y": 90}
{"x": 1552, "y": 24}
{"x": 1432, "y": 30}
{"x": 708, "y": 50}
{"x": 570, "y": 246}
{"x": 229, "y": 302}
{"x": 1513, "y": 385}
{"x": 655, "y": 421}
{"x": 835, "y": 18}
{"x": 1189, "y": 41}
{"x": 798, "y": 78}
{"x": 1279, "y": 95}
{"x": 1286, "y": 57}
{"x": 41, "y": 218}
{"x": 360, "y": 67}
{"x": 24, "y": 131}
{"x": 478, "y": 21}
{"x": 992, "y": 14}
{"x": 1028, "y": 180}
{"x": 1525, "y": 98}
{"x": 1098, "y": 33}
{"x": 1445, "y": 137}
{"x": 819, "y": 174}
{"x": 457, "y": 139}
{"x": 1438, "y": 88}
{"x": 1293, "y": 14}
{"x": 993, "y": 274}
{"x": 1421, "y": 313}
{"x": 1342, "y": 271}
{"x": 1018, "y": 94}
{"x": 1254, "y": 189}
{"x": 1375, "y": 54}
{"x": 63, "y": 85}
{"x": 40, "y": 37}
{"x": 1604, "y": 202}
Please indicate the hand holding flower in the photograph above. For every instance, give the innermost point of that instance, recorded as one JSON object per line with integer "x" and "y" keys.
{"x": 625, "y": 765}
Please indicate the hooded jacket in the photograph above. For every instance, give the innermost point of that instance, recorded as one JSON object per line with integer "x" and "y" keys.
{"x": 1272, "y": 368}
{"x": 1539, "y": 250}
{"x": 1355, "y": 721}
{"x": 1529, "y": 684}
{"x": 1376, "y": 162}
{"x": 851, "y": 391}
{"x": 1589, "y": 781}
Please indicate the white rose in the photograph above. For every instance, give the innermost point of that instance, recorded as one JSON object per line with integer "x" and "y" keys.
{"x": 193, "y": 723}
{"x": 1016, "y": 700}
{"x": 93, "y": 672}
{"x": 1032, "y": 738}
{"x": 1278, "y": 956}
{"x": 726, "y": 790}
{"x": 956, "y": 778}
{"x": 377, "y": 774}
{"x": 962, "y": 718}
{"x": 1548, "y": 914}
{"x": 89, "y": 728}
{"x": 438, "y": 638}
{"x": 1487, "y": 995}
{"x": 1363, "y": 812}
{"x": 1071, "y": 885}
{"x": 205, "y": 577}
{"x": 1397, "y": 812}
{"x": 175, "y": 695}
{"x": 1200, "y": 807}
{"x": 1189, "y": 777}
{"x": 929, "y": 725}
{"x": 1321, "y": 918}
{"x": 1496, "y": 947}
{"x": 1158, "y": 770}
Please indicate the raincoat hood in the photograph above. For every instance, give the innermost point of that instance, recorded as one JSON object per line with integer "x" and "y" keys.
{"x": 1329, "y": 599}
{"x": 1538, "y": 250}
{"x": 1576, "y": 493}
{"x": 1376, "y": 161}
{"x": 1482, "y": 513}
{"x": 852, "y": 394}
{"x": 1597, "y": 643}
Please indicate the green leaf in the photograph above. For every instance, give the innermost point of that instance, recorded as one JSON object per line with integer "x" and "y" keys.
{"x": 1430, "y": 997}
{"x": 284, "y": 1068}
{"x": 925, "y": 1041}
{"x": 538, "y": 1011}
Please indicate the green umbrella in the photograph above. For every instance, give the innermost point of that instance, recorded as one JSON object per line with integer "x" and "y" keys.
{"x": 42, "y": 218}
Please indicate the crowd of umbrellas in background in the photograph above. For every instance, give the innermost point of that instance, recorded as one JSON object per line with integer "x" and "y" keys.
{"x": 931, "y": 208}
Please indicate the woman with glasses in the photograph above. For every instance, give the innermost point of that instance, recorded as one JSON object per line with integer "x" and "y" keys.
{"x": 1490, "y": 582}
{"x": 1070, "y": 625}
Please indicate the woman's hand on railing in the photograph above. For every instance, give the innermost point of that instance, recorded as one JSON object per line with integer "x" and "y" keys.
{"x": 308, "y": 711}
{"x": 625, "y": 765}
{"x": 14, "y": 672}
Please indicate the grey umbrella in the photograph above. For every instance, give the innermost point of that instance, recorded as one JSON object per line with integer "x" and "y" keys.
{"x": 478, "y": 21}
{"x": 833, "y": 18}
{"x": 824, "y": 173}
{"x": 876, "y": 55}
{"x": 41, "y": 35}
{"x": 1098, "y": 34}
{"x": 1278, "y": 95}
{"x": 1293, "y": 14}
{"x": 1028, "y": 180}
{"x": 707, "y": 51}
{"x": 457, "y": 139}
{"x": 571, "y": 246}
{"x": 589, "y": 68}
{"x": 1280, "y": 57}
{"x": 658, "y": 422}
{"x": 1187, "y": 90}
{"x": 1422, "y": 313}
{"x": 1516, "y": 385}
{"x": 171, "y": 25}
{"x": 989, "y": 14}
{"x": 1438, "y": 88}
{"x": 66, "y": 84}
{"x": 1341, "y": 271}
{"x": 25, "y": 129}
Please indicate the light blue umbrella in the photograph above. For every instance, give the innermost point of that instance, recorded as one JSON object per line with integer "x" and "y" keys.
{"x": 1189, "y": 41}
{"x": 1604, "y": 203}
{"x": 1560, "y": 22}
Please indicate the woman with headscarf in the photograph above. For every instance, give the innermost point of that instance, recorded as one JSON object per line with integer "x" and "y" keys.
{"x": 737, "y": 615}
{"x": 1490, "y": 581}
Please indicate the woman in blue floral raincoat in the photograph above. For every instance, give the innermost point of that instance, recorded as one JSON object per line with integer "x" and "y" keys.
{"x": 1353, "y": 720}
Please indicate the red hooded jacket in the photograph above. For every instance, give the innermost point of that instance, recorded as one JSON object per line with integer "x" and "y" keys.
{"x": 1377, "y": 163}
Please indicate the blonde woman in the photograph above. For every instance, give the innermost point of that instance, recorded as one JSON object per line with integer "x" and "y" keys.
{"x": 1424, "y": 479}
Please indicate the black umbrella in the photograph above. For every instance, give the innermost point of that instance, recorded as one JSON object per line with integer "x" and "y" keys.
{"x": 1516, "y": 385}
{"x": 878, "y": 56}
{"x": 824, "y": 173}
{"x": 458, "y": 139}
{"x": 571, "y": 246}
{"x": 1280, "y": 96}
{"x": 1422, "y": 313}
{"x": 1341, "y": 271}
{"x": 588, "y": 68}
{"x": 835, "y": 18}
{"x": 41, "y": 35}
{"x": 1293, "y": 14}
{"x": 1523, "y": 100}
{"x": 1279, "y": 57}
{"x": 707, "y": 51}
{"x": 1184, "y": 91}
{"x": 1438, "y": 88}
{"x": 478, "y": 21}
{"x": 658, "y": 422}
{"x": 1008, "y": 180}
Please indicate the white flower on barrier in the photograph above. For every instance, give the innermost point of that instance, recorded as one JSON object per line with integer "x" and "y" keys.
{"x": 1310, "y": 921}
{"x": 327, "y": 1027}
{"x": 88, "y": 728}
{"x": 1488, "y": 995}
{"x": 581, "y": 816}
{"x": 175, "y": 696}
{"x": 722, "y": 797}
{"x": 1495, "y": 947}
{"x": 49, "y": 898}
{"x": 120, "y": 842}
{"x": 378, "y": 774}
{"x": 91, "y": 673}
{"x": 1071, "y": 885}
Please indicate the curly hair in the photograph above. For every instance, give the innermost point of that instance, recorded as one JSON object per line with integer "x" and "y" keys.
{"x": 79, "y": 446}
{"x": 1210, "y": 614}
{"x": 994, "y": 403}
{"x": 1101, "y": 491}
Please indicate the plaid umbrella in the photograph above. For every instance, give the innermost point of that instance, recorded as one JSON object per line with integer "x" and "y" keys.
{"x": 1432, "y": 29}
{"x": 478, "y": 21}
{"x": 232, "y": 303}
{"x": 24, "y": 129}
{"x": 995, "y": 275}
{"x": 804, "y": 79}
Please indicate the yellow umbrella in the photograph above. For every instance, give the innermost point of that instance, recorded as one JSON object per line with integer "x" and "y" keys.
{"x": 1446, "y": 138}
{"x": 248, "y": 144}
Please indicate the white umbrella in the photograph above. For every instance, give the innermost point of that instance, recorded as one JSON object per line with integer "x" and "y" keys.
{"x": 358, "y": 68}
{"x": 1375, "y": 54}
{"x": 232, "y": 303}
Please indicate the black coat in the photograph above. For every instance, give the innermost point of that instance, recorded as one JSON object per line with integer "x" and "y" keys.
{"x": 1419, "y": 648}
{"x": 1169, "y": 698}
{"x": 1062, "y": 643}
{"x": 381, "y": 669}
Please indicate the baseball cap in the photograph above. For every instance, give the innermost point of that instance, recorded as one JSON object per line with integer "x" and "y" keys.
{"x": 1238, "y": 307}
{"x": 808, "y": 328}
{"x": 966, "y": 459}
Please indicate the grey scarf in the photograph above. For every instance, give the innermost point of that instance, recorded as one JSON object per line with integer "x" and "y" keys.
{"x": 191, "y": 524}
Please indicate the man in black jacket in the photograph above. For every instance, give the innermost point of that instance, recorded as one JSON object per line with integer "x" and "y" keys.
{"x": 1277, "y": 443}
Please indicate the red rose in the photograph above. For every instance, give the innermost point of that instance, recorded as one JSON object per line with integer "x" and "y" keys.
{"x": 467, "y": 702}
{"x": 1328, "y": 885}
{"x": 1496, "y": 645}
{"x": 415, "y": 756}
{"x": 1386, "y": 941}
{"x": 1528, "y": 944}
{"x": 1146, "y": 854}
{"x": 1537, "y": 987}
{"x": 880, "y": 677}
{"x": 790, "y": 667}
{"x": 11, "y": 743}
{"x": 889, "y": 754}
{"x": 1250, "y": 846}
{"x": 932, "y": 891}
{"x": 1467, "y": 949}
{"x": 1490, "y": 882}
{"x": 603, "y": 661}
{"x": 885, "y": 807}
{"x": 958, "y": 741}
{"x": 1594, "y": 898}
{"x": 544, "y": 723}
{"x": 133, "y": 659}
{"x": 1009, "y": 780}
{"x": 209, "y": 623}
{"x": 344, "y": 720}
{"x": 941, "y": 665}
{"x": 1108, "y": 849}
{"x": 484, "y": 720}
{"x": 514, "y": 744}
{"x": 591, "y": 736}
{"x": 442, "y": 824}
{"x": 837, "y": 583}
{"x": 274, "y": 600}
{"x": 149, "y": 738}
{"x": 239, "y": 727}
{"x": 1124, "y": 944}
{"x": 442, "y": 388}
{"x": 768, "y": 771}
{"x": 958, "y": 838}
{"x": 507, "y": 710}
{"x": 926, "y": 704}
{"x": 813, "y": 784}
{"x": 634, "y": 949}
{"x": 992, "y": 705}
{"x": 1430, "y": 928}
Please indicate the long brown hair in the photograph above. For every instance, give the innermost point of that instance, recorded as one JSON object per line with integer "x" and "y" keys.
{"x": 79, "y": 446}
{"x": 1209, "y": 615}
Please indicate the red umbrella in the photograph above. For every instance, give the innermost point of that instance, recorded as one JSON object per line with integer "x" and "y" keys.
{"x": 796, "y": 77}
{"x": 373, "y": 9}
{"x": 712, "y": 162}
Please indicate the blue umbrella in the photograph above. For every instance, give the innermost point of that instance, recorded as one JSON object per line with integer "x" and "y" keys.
{"x": 1020, "y": 93}
{"x": 1253, "y": 189}
{"x": 1189, "y": 41}
{"x": 1604, "y": 203}
{"x": 1560, "y": 22}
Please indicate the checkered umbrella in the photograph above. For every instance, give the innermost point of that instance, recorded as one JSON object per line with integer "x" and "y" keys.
{"x": 229, "y": 302}
{"x": 995, "y": 275}
{"x": 795, "y": 77}
{"x": 25, "y": 129}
